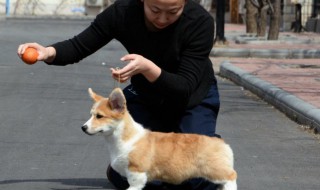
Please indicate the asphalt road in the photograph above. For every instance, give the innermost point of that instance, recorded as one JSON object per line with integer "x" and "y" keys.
{"x": 43, "y": 107}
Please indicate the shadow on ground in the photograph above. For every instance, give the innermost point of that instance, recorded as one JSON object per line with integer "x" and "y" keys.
{"x": 74, "y": 183}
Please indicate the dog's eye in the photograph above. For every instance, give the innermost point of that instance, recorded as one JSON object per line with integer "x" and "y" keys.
{"x": 99, "y": 116}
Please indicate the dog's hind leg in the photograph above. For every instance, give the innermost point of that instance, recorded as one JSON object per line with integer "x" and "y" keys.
{"x": 136, "y": 180}
{"x": 226, "y": 177}
{"x": 229, "y": 185}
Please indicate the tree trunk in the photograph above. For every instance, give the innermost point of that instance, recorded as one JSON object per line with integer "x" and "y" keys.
{"x": 251, "y": 17}
{"x": 16, "y": 7}
{"x": 263, "y": 15}
{"x": 275, "y": 20}
{"x": 262, "y": 23}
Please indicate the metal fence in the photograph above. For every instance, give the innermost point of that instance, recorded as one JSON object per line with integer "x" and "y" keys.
{"x": 316, "y": 9}
{"x": 311, "y": 15}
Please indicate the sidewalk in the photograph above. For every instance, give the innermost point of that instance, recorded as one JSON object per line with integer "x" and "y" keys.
{"x": 285, "y": 73}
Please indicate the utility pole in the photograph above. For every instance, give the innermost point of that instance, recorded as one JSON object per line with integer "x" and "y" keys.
{"x": 221, "y": 9}
{"x": 7, "y": 7}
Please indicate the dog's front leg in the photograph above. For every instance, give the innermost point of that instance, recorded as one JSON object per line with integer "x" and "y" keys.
{"x": 136, "y": 180}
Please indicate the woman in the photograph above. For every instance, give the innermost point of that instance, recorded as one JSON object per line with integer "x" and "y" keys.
{"x": 173, "y": 87}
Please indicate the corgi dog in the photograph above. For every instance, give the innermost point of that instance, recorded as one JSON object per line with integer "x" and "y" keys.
{"x": 142, "y": 156}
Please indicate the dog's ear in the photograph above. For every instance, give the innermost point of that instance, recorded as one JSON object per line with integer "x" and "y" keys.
{"x": 95, "y": 97}
{"x": 117, "y": 101}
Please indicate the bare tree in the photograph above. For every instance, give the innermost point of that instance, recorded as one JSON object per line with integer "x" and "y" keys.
{"x": 263, "y": 8}
{"x": 275, "y": 20}
{"x": 251, "y": 17}
{"x": 59, "y": 6}
{"x": 257, "y": 16}
{"x": 16, "y": 7}
{"x": 29, "y": 7}
{"x": 33, "y": 4}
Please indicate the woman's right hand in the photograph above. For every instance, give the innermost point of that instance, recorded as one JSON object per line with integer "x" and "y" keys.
{"x": 46, "y": 54}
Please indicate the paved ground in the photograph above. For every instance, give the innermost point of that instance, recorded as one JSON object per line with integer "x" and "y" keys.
{"x": 290, "y": 65}
{"x": 43, "y": 107}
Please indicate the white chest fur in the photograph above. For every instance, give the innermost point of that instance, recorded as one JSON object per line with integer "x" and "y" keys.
{"x": 119, "y": 149}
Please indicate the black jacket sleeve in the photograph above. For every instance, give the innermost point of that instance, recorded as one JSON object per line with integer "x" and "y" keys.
{"x": 195, "y": 66}
{"x": 98, "y": 34}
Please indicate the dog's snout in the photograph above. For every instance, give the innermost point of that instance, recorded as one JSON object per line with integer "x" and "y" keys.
{"x": 84, "y": 128}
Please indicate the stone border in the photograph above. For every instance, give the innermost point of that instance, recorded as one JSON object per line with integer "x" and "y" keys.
{"x": 295, "y": 108}
{"x": 266, "y": 53}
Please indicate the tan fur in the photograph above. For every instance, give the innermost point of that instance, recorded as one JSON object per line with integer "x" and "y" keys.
{"x": 175, "y": 157}
{"x": 169, "y": 157}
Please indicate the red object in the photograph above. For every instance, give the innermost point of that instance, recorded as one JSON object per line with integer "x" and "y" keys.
{"x": 30, "y": 56}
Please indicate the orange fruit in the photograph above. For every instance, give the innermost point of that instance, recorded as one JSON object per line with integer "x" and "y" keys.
{"x": 30, "y": 56}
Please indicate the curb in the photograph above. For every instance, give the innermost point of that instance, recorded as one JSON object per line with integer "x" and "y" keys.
{"x": 295, "y": 108}
{"x": 266, "y": 53}
{"x": 48, "y": 17}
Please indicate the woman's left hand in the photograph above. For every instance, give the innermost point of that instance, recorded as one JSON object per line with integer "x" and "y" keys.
{"x": 137, "y": 65}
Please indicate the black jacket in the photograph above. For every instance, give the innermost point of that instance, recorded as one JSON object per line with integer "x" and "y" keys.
{"x": 181, "y": 50}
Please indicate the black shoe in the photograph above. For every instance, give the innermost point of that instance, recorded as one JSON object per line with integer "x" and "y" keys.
{"x": 116, "y": 179}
